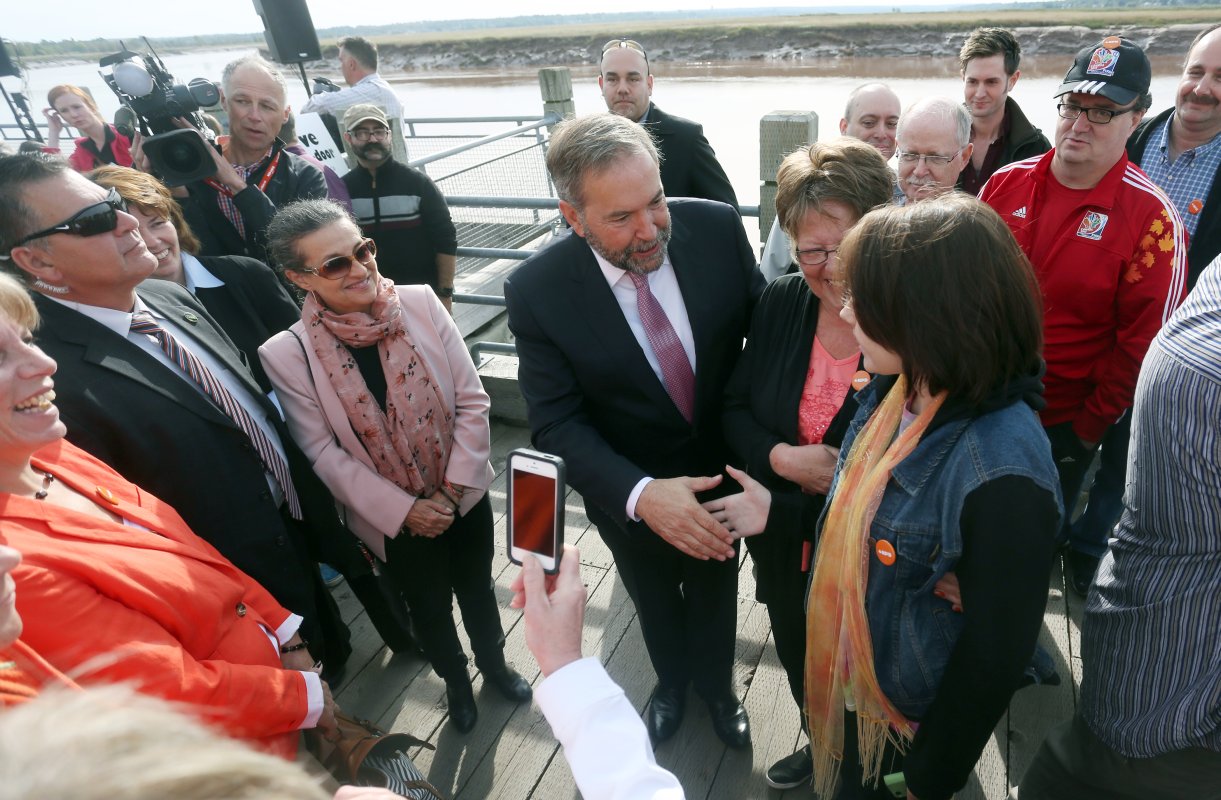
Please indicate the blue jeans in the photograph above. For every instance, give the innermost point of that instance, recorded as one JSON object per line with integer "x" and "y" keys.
{"x": 1089, "y": 533}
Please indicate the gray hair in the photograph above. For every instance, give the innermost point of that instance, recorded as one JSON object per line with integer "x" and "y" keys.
{"x": 592, "y": 144}
{"x": 297, "y": 220}
{"x": 257, "y": 62}
{"x": 952, "y": 112}
{"x": 17, "y": 173}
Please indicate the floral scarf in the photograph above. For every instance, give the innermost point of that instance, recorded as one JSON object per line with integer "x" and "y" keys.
{"x": 839, "y": 668}
{"x": 409, "y": 442}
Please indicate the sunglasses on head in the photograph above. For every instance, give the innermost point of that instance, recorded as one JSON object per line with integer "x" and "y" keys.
{"x": 89, "y": 221}
{"x": 338, "y": 267}
{"x": 623, "y": 43}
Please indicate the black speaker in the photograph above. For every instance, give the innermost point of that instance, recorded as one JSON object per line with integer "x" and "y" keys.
{"x": 289, "y": 31}
{"x": 8, "y": 68}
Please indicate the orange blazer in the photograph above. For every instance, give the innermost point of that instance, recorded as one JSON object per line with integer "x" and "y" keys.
{"x": 23, "y": 674}
{"x": 153, "y": 605}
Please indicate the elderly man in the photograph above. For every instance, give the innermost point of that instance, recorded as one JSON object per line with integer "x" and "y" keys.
{"x": 1107, "y": 247}
{"x": 871, "y": 115}
{"x": 627, "y": 332}
{"x": 934, "y": 144}
{"x": 230, "y": 211}
{"x": 688, "y": 164}
{"x": 1000, "y": 132}
{"x": 358, "y": 64}
{"x": 148, "y": 384}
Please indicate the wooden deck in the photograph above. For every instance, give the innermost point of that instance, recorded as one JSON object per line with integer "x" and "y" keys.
{"x": 512, "y": 754}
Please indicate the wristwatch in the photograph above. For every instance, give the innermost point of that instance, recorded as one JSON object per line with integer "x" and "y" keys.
{"x": 445, "y": 291}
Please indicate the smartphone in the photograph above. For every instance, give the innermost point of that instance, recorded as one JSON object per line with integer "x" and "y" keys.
{"x": 536, "y": 507}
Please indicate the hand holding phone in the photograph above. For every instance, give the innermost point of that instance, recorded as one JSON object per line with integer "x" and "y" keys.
{"x": 536, "y": 508}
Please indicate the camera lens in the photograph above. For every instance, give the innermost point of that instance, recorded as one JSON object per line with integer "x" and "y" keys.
{"x": 181, "y": 157}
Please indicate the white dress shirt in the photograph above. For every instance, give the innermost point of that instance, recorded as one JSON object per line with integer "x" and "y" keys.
{"x": 372, "y": 88}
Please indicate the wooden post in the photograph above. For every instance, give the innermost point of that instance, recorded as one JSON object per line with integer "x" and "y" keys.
{"x": 780, "y": 133}
{"x": 556, "y": 86}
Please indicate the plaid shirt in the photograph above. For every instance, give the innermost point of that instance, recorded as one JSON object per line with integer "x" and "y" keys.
{"x": 1189, "y": 178}
{"x": 225, "y": 200}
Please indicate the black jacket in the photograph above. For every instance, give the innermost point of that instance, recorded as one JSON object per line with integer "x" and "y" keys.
{"x": 295, "y": 179}
{"x": 1023, "y": 141}
{"x": 688, "y": 164}
{"x": 1206, "y": 244}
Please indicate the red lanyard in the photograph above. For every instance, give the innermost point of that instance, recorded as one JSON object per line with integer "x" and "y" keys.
{"x": 262, "y": 184}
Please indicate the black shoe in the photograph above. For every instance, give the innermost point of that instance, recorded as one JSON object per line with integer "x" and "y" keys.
{"x": 729, "y": 721}
{"x": 791, "y": 771}
{"x": 665, "y": 713}
{"x": 509, "y": 683}
{"x": 1081, "y": 569}
{"x": 461, "y": 700}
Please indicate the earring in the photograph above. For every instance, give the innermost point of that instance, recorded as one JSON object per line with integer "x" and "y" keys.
{"x": 45, "y": 287}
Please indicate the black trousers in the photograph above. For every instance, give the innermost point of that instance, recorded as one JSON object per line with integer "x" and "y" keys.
{"x": 782, "y": 588}
{"x": 687, "y": 608}
{"x": 430, "y": 572}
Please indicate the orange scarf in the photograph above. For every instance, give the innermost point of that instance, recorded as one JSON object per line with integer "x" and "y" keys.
{"x": 839, "y": 668}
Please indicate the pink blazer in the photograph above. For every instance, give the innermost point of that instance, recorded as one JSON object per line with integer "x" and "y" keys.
{"x": 373, "y": 506}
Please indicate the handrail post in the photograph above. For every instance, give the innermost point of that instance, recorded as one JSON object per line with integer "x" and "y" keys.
{"x": 555, "y": 83}
{"x": 780, "y": 133}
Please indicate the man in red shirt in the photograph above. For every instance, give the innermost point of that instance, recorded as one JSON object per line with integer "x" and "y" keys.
{"x": 1109, "y": 251}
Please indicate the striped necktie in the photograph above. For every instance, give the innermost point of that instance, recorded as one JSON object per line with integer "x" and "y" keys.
{"x": 676, "y": 372}
{"x": 142, "y": 322}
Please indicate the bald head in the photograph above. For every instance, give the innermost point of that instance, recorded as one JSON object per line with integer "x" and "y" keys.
{"x": 872, "y": 115}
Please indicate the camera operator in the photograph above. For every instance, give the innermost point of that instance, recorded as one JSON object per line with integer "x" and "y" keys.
{"x": 358, "y": 64}
{"x": 255, "y": 174}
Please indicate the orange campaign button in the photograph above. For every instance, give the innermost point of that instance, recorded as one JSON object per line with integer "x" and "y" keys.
{"x": 861, "y": 379}
{"x": 885, "y": 551}
{"x": 1111, "y": 42}
{"x": 107, "y": 495}
{"x": 1195, "y": 206}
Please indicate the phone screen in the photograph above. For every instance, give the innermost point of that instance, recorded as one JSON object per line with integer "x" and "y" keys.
{"x": 534, "y": 513}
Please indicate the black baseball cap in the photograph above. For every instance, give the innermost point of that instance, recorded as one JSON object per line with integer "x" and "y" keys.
{"x": 1115, "y": 68}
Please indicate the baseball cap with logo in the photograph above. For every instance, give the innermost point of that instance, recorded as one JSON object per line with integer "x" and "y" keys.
{"x": 361, "y": 112}
{"x": 1115, "y": 68}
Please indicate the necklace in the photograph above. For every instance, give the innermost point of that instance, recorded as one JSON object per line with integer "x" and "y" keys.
{"x": 47, "y": 480}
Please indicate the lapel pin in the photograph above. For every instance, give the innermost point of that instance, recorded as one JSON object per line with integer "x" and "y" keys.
{"x": 191, "y": 318}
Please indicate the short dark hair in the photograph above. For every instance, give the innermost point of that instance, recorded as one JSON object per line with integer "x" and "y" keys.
{"x": 943, "y": 284}
{"x": 361, "y": 49}
{"x": 592, "y": 143}
{"x": 294, "y": 221}
{"x": 844, "y": 170}
{"x": 16, "y": 174}
{"x": 987, "y": 42}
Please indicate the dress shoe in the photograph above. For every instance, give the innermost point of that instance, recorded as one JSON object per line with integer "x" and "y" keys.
{"x": 509, "y": 683}
{"x": 665, "y": 713}
{"x": 461, "y": 701}
{"x": 729, "y": 721}
{"x": 791, "y": 771}
{"x": 1081, "y": 569}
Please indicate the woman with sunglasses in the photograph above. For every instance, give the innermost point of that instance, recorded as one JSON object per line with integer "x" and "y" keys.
{"x": 944, "y": 468}
{"x": 381, "y": 395}
{"x": 100, "y": 143}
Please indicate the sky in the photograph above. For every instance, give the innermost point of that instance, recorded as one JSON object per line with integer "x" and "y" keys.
{"x": 86, "y": 19}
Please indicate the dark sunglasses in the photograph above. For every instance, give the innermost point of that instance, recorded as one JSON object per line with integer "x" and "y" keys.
{"x": 89, "y": 221}
{"x": 338, "y": 267}
{"x": 623, "y": 43}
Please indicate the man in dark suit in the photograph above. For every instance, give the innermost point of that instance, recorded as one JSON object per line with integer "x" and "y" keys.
{"x": 627, "y": 332}
{"x": 688, "y": 164}
{"x": 128, "y": 403}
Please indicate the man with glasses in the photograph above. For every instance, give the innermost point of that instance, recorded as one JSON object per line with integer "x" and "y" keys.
{"x": 934, "y": 144}
{"x": 399, "y": 207}
{"x": 149, "y": 384}
{"x": 1109, "y": 252}
{"x": 689, "y": 167}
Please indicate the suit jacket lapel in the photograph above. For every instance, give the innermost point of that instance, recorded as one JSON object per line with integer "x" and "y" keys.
{"x": 698, "y": 303}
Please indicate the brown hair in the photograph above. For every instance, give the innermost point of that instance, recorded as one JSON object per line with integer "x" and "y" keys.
{"x": 844, "y": 170}
{"x": 943, "y": 284}
{"x": 361, "y": 49}
{"x": 988, "y": 42}
{"x": 583, "y": 146}
{"x": 150, "y": 196}
{"x": 67, "y": 88}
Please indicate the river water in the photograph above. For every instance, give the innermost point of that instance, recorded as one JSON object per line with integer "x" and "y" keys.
{"x": 728, "y": 98}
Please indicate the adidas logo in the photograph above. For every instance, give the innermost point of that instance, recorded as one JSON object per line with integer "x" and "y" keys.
{"x": 1020, "y": 213}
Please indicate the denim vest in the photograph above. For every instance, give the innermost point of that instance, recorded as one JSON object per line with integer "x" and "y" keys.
{"x": 913, "y": 631}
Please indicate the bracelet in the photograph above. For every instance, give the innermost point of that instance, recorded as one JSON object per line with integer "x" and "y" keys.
{"x": 292, "y": 648}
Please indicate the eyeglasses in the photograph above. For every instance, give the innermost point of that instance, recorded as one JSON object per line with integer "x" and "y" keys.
{"x": 338, "y": 267}
{"x": 815, "y": 256}
{"x": 365, "y": 134}
{"x": 89, "y": 221}
{"x": 937, "y": 161}
{"x": 625, "y": 44}
{"x": 1098, "y": 116}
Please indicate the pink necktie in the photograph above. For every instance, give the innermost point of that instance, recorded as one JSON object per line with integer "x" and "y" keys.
{"x": 676, "y": 372}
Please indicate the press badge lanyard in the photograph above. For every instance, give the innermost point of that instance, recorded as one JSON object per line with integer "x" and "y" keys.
{"x": 262, "y": 184}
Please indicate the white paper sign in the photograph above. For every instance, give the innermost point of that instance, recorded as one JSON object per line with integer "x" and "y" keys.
{"x": 317, "y": 141}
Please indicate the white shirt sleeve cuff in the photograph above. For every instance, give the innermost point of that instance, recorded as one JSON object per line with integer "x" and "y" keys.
{"x": 634, "y": 497}
{"x": 288, "y": 628}
{"x": 313, "y": 693}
